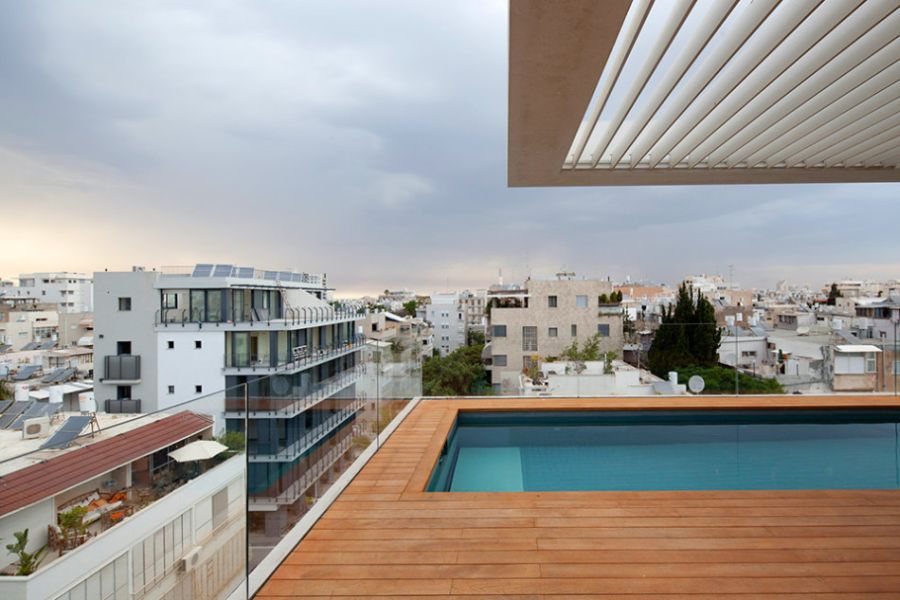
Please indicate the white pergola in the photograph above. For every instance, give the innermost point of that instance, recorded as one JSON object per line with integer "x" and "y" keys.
{"x": 704, "y": 91}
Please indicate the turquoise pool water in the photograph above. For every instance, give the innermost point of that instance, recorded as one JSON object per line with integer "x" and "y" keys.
{"x": 670, "y": 450}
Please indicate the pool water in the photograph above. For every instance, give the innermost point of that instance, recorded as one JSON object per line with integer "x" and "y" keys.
{"x": 670, "y": 450}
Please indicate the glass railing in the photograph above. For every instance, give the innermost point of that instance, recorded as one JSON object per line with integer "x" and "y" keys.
{"x": 157, "y": 514}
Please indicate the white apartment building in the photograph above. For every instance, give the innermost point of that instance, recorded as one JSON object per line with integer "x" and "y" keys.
{"x": 153, "y": 528}
{"x": 71, "y": 292}
{"x": 448, "y": 317}
{"x": 540, "y": 319}
{"x": 24, "y": 325}
{"x": 164, "y": 337}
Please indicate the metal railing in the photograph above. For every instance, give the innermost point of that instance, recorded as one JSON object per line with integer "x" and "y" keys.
{"x": 287, "y": 407}
{"x": 297, "y": 361}
{"x": 122, "y": 367}
{"x": 289, "y": 316}
{"x": 313, "y": 436}
{"x": 313, "y": 474}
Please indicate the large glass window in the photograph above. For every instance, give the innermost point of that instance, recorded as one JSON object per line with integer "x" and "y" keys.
{"x": 529, "y": 338}
{"x": 198, "y": 305}
{"x": 214, "y": 306}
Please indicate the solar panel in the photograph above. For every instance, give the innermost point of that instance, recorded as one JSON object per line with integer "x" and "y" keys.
{"x": 30, "y": 346}
{"x": 4, "y": 404}
{"x": 53, "y": 375}
{"x": 202, "y": 271}
{"x": 245, "y": 272}
{"x": 285, "y": 275}
{"x": 46, "y": 345}
{"x": 26, "y": 372}
{"x": 12, "y": 413}
{"x": 37, "y": 409}
{"x": 223, "y": 271}
{"x": 70, "y": 430}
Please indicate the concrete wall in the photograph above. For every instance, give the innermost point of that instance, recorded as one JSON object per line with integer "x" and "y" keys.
{"x": 186, "y": 366}
{"x": 112, "y": 325}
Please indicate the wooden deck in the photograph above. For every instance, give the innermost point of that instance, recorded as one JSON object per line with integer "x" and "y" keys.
{"x": 384, "y": 537}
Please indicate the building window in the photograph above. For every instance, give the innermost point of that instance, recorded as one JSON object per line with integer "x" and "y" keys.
{"x": 169, "y": 300}
{"x": 198, "y": 344}
{"x": 529, "y": 338}
{"x": 123, "y": 348}
{"x": 170, "y": 345}
{"x": 124, "y": 304}
{"x": 498, "y": 331}
{"x": 581, "y": 302}
{"x": 551, "y": 301}
{"x": 198, "y": 389}
{"x": 574, "y": 331}
{"x": 171, "y": 389}
{"x": 552, "y": 332}
{"x": 500, "y": 360}
{"x": 896, "y": 367}
{"x": 870, "y": 363}
{"x": 603, "y": 330}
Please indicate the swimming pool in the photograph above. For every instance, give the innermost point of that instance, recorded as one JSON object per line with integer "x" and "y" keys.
{"x": 669, "y": 450}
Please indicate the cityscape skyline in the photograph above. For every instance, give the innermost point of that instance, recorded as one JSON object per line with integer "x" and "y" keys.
{"x": 181, "y": 157}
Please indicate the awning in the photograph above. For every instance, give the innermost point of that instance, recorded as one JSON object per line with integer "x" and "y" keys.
{"x": 857, "y": 348}
{"x": 87, "y": 340}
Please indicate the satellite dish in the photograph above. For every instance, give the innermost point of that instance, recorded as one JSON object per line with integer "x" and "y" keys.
{"x": 696, "y": 384}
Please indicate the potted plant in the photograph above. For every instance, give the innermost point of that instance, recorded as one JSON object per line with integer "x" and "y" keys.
{"x": 72, "y": 525}
{"x": 28, "y": 562}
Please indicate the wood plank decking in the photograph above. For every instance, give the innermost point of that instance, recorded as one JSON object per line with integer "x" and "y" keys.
{"x": 384, "y": 537}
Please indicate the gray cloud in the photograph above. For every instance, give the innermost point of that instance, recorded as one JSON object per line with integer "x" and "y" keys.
{"x": 363, "y": 139}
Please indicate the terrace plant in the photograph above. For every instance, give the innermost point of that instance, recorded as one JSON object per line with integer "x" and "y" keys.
{"x": 234, "y": 440}
{"x": 71, "y": 523}
{"x": 27, "y": 562}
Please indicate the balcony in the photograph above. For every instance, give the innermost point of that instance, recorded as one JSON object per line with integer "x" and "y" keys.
{"x": 315, "y": 472}
{"x": 122, "y": 369}
{"x": 252, "y": 318}
{"x": 311, "y": 438}
{"x": 300, "y": 359}
{"x": 286, "y": 408}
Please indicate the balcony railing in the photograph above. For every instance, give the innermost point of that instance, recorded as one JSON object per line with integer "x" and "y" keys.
{"x": 287, "y": 407}
{"x": 298, "y": 360}
{"x": 313, "y": 436}
{"x": 122, "y": 367}
{"x": 319, "y": 468}
{"x": 254, "y": 316}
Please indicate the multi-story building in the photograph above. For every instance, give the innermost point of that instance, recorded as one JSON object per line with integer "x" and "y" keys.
{"x": 447, "y": 316}
{"x": 71, "y": 292}
{"x": 473, "y": 306}
{"x": 269, "y": 338}
{"x": 150, "y": 527}
{"x": 24, "y": 324}
{"x": 543, "y": 317}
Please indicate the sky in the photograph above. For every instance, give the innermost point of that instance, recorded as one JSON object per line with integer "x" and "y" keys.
{"x": 366, "y": 140}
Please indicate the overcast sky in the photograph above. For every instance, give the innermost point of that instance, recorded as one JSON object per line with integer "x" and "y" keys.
{"x": 362, "y": 139}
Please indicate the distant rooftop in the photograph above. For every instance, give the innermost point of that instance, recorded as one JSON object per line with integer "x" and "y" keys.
{"x": 208, "y": 270}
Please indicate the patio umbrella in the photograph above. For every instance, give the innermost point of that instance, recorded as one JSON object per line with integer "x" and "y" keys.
{"x": 199, "y": 450}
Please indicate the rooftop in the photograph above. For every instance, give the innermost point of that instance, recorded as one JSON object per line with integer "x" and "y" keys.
{"x": 386, "y": 536}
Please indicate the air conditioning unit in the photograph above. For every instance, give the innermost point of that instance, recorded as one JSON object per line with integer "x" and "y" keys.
{"x": 190, "y": 560}
{"x": 38, "y": 427}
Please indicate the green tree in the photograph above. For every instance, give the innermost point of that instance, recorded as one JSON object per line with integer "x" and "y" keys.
{"x": 233, "y": 439}
{"x": 688, "y": 335}
{"x": 833, "y": 294}
{"x": 720, "y": 380}
{"x": 460, "y": 373}
{"x": 475, "y": 338}
{"x": 409, "y": 308}
{"x": 589, "y": 351}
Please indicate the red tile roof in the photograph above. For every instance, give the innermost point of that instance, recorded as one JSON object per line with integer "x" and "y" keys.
{"x": 35, "y": 483}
